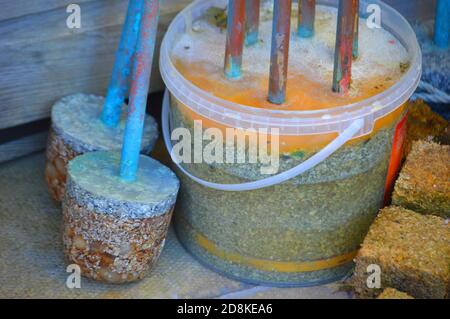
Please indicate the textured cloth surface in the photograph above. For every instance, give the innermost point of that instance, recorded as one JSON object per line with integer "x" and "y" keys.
{"x": 32, "y": 264}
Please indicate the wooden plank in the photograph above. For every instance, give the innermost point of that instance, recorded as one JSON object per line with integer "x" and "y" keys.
{"x": 23, "y": 146}
{"x": 19, "y": 8}
{"x": 42, "y": 60}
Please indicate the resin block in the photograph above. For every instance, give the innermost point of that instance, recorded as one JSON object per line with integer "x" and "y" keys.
{"x": 115, "y": 230}
{"x": 424, "y": 182}
{"x": 76, "y": 129}
{"x": 412, "y": 251}
{"x": 391, "y": 293}
{"x": 423, "y": 124}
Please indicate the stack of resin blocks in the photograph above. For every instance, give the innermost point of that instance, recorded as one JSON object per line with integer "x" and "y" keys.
{"x": 410, "y": 240}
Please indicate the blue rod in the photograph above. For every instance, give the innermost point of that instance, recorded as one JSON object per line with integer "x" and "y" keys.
{"x": 252, "y": 12}
{"x": 119, "y": 84}
{"x": 142, "y": 67}
{"x": 235, "y": 39}
{"x": 356, "y": 38}
{"x": 442, "y": 25}
{"x": 306, "y": 18}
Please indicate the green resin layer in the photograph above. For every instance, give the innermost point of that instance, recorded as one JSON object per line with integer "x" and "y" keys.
{"x": 76, "y": 118}
{"x": 254, "y": 276}
{"x": 94, "y": 182}
{"x": 323, "y": 213}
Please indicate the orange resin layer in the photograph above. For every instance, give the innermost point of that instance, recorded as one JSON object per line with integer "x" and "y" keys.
{"x": 301, "y": 92}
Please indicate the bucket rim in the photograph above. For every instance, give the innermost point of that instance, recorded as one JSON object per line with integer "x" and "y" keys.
{"x": 326, "y": 120}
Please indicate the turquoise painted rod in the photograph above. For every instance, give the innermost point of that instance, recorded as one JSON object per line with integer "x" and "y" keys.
{"x": 306, "y": 18}
{"x": 235, "y": 39}
{"x": 140, "y": 76}
{"x": 356, "y": 38}
{"x": 442, "y": 25}
{"x": 252, "y": 13}
{"x": 119, "y": 84}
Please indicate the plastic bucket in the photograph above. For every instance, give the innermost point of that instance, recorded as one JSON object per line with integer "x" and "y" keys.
{"x": 302, "y": 226}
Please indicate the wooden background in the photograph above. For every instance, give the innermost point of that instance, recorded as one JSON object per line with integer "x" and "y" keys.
{"x": 42, "y": 60}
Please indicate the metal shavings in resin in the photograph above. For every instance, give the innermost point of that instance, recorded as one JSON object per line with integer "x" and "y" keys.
{"x": 58, "y": 156}
{"x": 346, "y": 162}
{"x": 391, "y": 293}
{"x": 320, "y": 214}
{"x": 76, "y": 119}
{"x": 424, "y": 182}
{"x": 93, "y": 181}
{"x": 110, "y": 249}
{"x": 413, "y": 251}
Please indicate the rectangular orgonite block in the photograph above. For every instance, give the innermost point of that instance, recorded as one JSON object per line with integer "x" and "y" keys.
{"x": 412, "y": 252}
{"x": 423, "y": 124}
{"x": 391, "y": 293}
{"x": 424, "y": 182}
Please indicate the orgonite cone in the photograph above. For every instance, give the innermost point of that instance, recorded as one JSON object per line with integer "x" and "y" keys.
{"x": 115, "y": 230}
{"x": 76, "y": 128}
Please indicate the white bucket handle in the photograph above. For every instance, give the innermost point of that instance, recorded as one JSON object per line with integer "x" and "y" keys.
{"x": 310, "y": 163}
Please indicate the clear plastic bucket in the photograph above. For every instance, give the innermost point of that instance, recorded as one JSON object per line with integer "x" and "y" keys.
{"x": 304, "y": 225}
